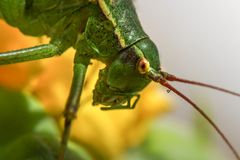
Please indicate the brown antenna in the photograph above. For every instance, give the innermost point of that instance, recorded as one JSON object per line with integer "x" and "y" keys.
{"x": 162, "y": 79}
{"x": 170, "y": 77}
{"x": 205, "y": 116}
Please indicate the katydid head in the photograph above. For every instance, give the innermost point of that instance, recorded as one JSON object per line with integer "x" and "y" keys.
{"x": 124, "y": 77}
{"x": 125, "y": 72}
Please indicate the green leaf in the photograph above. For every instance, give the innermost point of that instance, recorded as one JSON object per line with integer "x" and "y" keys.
{"x": 21, "y": 114}
{"x": 39, "y": 147}
{"x": 171, "y": 141}
{"x": 27, "y": 132}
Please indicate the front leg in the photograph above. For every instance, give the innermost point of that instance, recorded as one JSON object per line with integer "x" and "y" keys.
{"x": 72, "y": 105}
{"x": 30, "y": 54}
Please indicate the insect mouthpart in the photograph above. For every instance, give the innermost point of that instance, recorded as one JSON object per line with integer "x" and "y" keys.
{"x": 109, "y": 100}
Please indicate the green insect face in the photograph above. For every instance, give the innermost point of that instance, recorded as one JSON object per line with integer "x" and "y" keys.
{"x": 123, "y": 74}
{"x": 127, "y": 74}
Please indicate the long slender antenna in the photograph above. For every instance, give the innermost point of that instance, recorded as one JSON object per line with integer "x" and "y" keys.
{"x": 167, "y": 85}
{"x": 170, "y": 77}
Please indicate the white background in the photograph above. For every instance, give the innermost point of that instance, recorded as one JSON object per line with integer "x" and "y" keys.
{"x": 200, "y": 40}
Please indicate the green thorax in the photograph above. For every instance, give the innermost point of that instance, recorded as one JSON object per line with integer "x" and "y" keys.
{"x": 123, "y": 16}
{"x": 105, "y": 37}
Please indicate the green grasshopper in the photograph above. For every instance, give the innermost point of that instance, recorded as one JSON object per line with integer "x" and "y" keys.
{"x": 106, "y": 30}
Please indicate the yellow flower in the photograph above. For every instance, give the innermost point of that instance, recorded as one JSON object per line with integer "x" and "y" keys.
{"x": 114, "y": 131}
{"x": 106, "y": 133}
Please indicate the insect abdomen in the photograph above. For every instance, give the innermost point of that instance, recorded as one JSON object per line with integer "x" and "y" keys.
{"x": 36, "y": 18}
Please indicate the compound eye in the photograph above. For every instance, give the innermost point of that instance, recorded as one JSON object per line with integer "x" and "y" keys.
{"x": 143, "y": 66}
